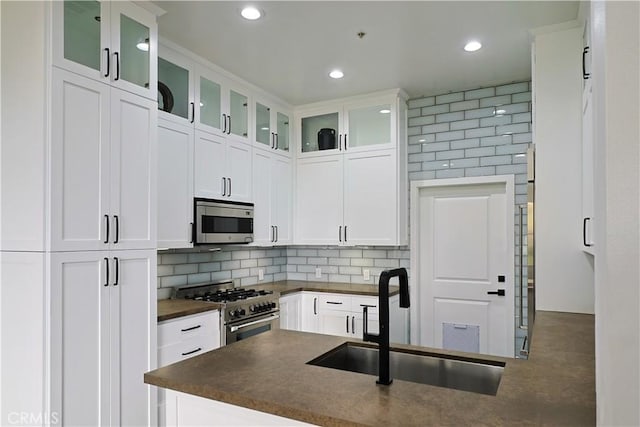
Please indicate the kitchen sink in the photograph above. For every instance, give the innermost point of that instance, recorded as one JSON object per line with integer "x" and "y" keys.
{"x": 478, "y": 376}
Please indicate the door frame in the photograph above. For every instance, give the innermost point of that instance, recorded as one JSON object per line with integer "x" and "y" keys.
{"x": 414, "y": 279}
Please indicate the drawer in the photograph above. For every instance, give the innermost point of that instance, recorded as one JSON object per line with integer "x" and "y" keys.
{"x": 183, "y": 350}
{"x": 188, "y": 327}
{"x": 335, "y": 302}
{"x": 358, "y": 302}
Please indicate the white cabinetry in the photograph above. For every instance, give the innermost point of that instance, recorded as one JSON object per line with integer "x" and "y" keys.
{"x": 175, "y": 185}
{"x": 272, "y": 126}
{"x": 272, "y": 190}
{"x": 588, "y": 159}
{"x": 290, "y": 311}
{"x": 111, "y": 42}
{"x": 222, "y": 168}
{"x": 309, "y": 320}
{"x": 355, "y": 193}
{"x": 101, "y": 343}
{"x": 182, "y": 338}
{"x": 103, "y": 167}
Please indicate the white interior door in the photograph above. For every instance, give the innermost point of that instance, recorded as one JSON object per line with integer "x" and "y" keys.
{"x": 465, "y": 268}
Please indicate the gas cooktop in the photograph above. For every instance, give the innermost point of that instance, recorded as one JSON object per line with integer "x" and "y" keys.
{"x": 221, "y": 292}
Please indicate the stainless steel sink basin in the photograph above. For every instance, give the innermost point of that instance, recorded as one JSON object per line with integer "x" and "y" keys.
{"x": 424, "y": 368}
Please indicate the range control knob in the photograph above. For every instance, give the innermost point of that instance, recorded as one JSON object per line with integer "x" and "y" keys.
{"x": 253, "y": 308}
{"x": 273, "y": 305}
{"x": 242, "y": 312}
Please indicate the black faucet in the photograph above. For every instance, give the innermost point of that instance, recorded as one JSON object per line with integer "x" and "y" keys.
{"x": 383, "y": 305}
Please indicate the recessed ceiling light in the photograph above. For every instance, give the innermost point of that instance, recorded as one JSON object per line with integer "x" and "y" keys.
{"x": 385, "y": 111}
{"x": 250, "y": 13}
{"x": 472, "y": 46}
{"x": 336, "y": 74}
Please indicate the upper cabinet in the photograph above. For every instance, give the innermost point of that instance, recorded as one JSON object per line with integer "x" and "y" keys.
{"x": 175, "y": 87}
{"x": 221, "y": 106}
{"x": 112, "y": 42}
{"x": 272, "y": 126}
{"x": 359, "y": 125}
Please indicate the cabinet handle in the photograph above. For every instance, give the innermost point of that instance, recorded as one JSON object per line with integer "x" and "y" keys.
{"x": 345, "y": 234}
{"x": 224, "y": 123}
{"x": 192, "y": 351}
{"x": 315, "y": 306}
{"x": 273, "y": 233}
{"x": 353, "y": 324}
{"x": 229, "y": 195}
{"x": 584, "y": 232}
{"x": 229, "y": 127}
{"x": 273, "y": 140}
{"x": 276, "y": 233}
{"x": 106, "y": 239}
{"x": 340, "y": 233}
{"x": 334, "y": 302}
{"x": 106, "y": 265}
{"x": 190, "y": 329}
{"x": 117, "y": 55}
{"x": 224, "y": 186}
{"x": 585, "y": 75}
{"x": 192, "y": 231}
{"x": 340, "y": 143}
{"x": 117, "y": 220}
{"x": 347, "y": 324}
{"x": 116, "y": 261}
{"x": 345, "y": 142}
{"x": 108, "y": 61}
{"x": 277, "y": 141}
{"x": 193, "y": 112}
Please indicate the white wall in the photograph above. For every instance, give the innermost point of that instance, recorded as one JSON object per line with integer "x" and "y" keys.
{"x": 616, "y": 94}
{"x": 564, "y": 273}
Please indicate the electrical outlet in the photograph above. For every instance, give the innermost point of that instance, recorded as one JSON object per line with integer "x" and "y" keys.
{"x": 318, "y": 273}
{"x": 366, "y": 274}
{"x": 261, "y": 274}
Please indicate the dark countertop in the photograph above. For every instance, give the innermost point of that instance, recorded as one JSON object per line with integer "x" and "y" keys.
{"x": 171, "y": 309}
{"x": 268, "y": 372}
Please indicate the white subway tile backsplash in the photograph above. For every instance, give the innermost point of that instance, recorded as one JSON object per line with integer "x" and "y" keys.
{"x": 230, "y": 265}
{"x": 464, "y": 105}
{"x": 450, "y": 173}
{"x": 171, "y": 281}
{"x": 199, "y": 257}
{"x": 422, "y": 120}
{"x": 451, "y": 154}
{"x": 413, "y": 112}
{"x": 479, "y": 132}
{"x": 465, "y": 143}
{"x": 264, "y": 262}
{"x": 479, "y": 113}
{"x": 328, "y": 252}
{"x": 362, "y": 262}
{"x": 435, "y": 146}
{"x": 351, "y": 253}
{"x": 413, "y": 131}
{"x": 390, "y": 263}
{"x": 435, "y": 165}
{"x": 422, "y": 157}
{"x": 240, "y": 273}
{"x": 465, "y": 163}
{"x": 198, "y": 278}
{"x": 350, "y": 270}
{"x": 248, "y": 263}
{"x": 522, "y": 138}
{"x": 436, "y": 109}
{"x": 464, "y": 124}
{"x": 339, "y": 261}
{"x": 439, "y": 127}
{"x": 512, "y": 88}
{"x": 450, "y": 97}
{"x": 483, "y": 171}
{"x": 208, "y": 267}
{"x": 516, "y": 108}
{"x": 514, "y": 128}
{"x": 174, "y": 259}
{"x": 521, "y": 97}
{"x": 512, "y": 149}
{"x": 480, "y": 93}
{"x": 422, "y": 102}
{"x": 521, "y": 117}
{"x": 495, "y": 101}
{"x": 495, "y": 160}
{"x": 495, "y": 140}
{"x": 414, "y": 167}
{"x": 450, "y": 117}
{"x": 220, "y": 275}
{"x": 421, "y": 176}
{"x": 448, "y": 136}
{"x": 318, "y": 260}
{"x": 296, "y": 260}
{"x": 511, "y": 169}
{"x": 240, "y": 255}
{"x": 480, "y": 152}
{"x": 339, "y": 278}
{"x": 503, "y": 119}
{"x": 221, "y": 256}
{"x": 165, "y": 270}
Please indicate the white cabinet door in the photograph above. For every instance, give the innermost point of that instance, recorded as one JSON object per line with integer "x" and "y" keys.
{"x": 79, "y": 163}
{"x": 373, "y": 324}
{"x": 290, "y": 312}
{"x": 335, "y": 322}
{"x": 175, "y": 185}
{"x": 80, "y": 330}
{"x": 133, "y": 336}
{"x": 103, "y": 311}
{"x": 210, "y": 165}
{"x": 239, "y": 171}
{"x": 310, "y": 321}
{"x": 370, "y": 199}
{"x": 263, "y": 231}
{"x": 281, "y": 199}
{"x": 587, "y": 173}
{"x": 133, "y": 171}
{"x": 319, "y": 200}
{"x": 370, "y": 125}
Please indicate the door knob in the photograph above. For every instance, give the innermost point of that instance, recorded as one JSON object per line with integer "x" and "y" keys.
{"x": 499, "y": 292}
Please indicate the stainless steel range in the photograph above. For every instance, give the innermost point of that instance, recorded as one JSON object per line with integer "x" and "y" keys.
{"x": 245, "y": 312}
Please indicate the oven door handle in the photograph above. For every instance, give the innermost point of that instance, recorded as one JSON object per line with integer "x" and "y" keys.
{"x": 273, "y": 317}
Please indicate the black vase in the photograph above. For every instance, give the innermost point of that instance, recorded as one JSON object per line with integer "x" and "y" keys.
{"x": 326, "y": 139}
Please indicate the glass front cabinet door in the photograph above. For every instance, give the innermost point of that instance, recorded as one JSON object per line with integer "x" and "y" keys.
{"x": 113, "y": 42}
{"x": 369, "y": 126}
{"x": 272, "y": 126}
{"x": 320, "y": 131}
{"x": 175, "y": 87}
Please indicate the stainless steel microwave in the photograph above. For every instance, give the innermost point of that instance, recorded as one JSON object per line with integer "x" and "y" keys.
{"x": 219, "y": 222}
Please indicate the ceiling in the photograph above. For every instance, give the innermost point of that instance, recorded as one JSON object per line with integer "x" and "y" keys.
{"x": 415, "y": 45}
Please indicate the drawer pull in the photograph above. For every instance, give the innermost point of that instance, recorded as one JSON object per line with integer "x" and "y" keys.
{"x": 191, "y": 328}
{"x": 334, "y": 302}
{"x": 368, "y": 305}
{"x": 192, "y": 351}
